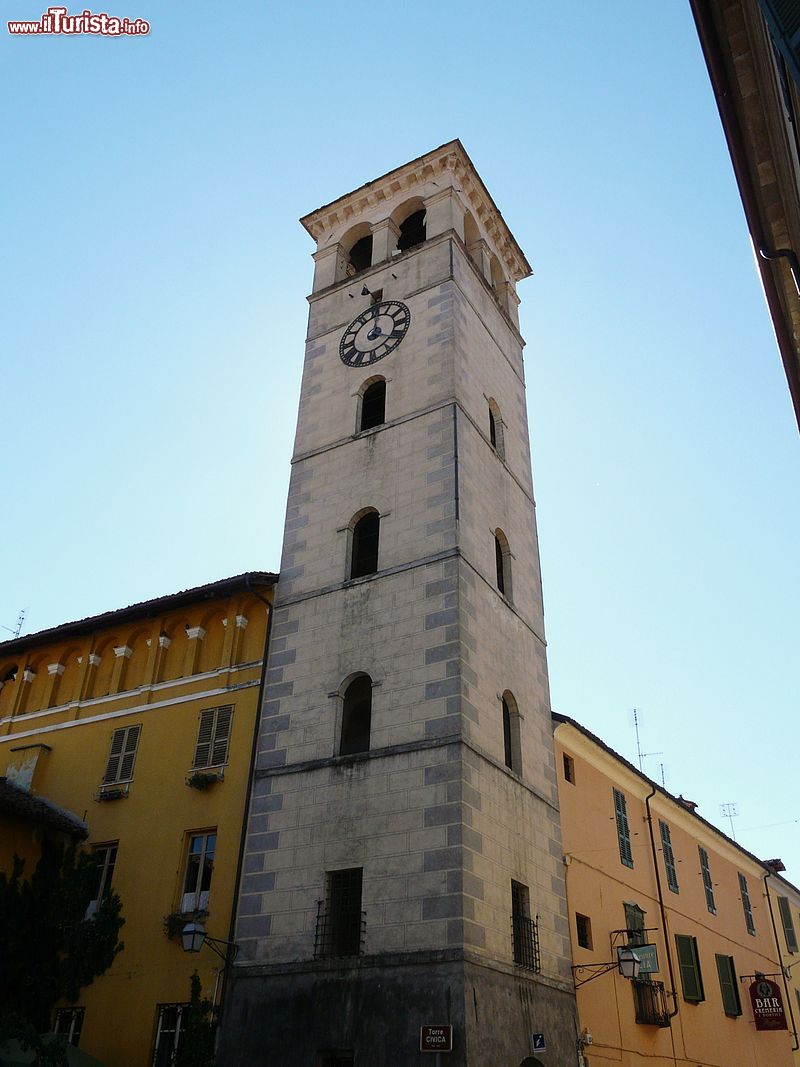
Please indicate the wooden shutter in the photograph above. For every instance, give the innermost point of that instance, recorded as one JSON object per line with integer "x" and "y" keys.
{"x": 623, "y": 831}
{"x": 222, "y": 733}
{"x": 669, "y": 856}
{"x": 689, "y": 964}
{"x": 212, "y": 737}
{"x": 708, "y": 885}
{"x": 129, "y": 754}
{"x": 788, "y": 924}
{"x": 122, "y": 755}
{"x": 205, "y": 738}
{"x": 727, "y": 984}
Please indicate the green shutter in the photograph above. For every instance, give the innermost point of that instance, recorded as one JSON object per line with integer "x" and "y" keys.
{"x": 669, "y": 857}
{"x": 623, "y": 831}
{"x": 746, "y": 908}
{"x": 727, "y": 984}
{"x": 708, "y": 885}
{"x": 689, "y": 963}
{"x": 788, "y": 924}
{"x": 783, "y": 19}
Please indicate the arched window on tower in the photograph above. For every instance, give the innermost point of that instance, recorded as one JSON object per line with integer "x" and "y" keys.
{"x": 496, "y": 428}
{"x": 502, "y": 558}
{"x": 361, "y": 254}
{"x": 373, "y": 405}
{"x": 412, "y": 231}
{"x": 356, "y": 716}
{"x": 512, "y": 749}
{"x": 364, "y": 554}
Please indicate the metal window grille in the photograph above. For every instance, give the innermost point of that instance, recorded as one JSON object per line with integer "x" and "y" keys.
{"x": 651, "y": 1003}
{"x": 524, "y": 929}
{"x": 341, "y": 924}
{"x": 708, "y": 885}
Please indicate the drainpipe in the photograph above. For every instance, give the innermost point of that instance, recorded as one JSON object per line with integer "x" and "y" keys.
{"x": 661, "y": 907}
{"x": 767, "y": 876}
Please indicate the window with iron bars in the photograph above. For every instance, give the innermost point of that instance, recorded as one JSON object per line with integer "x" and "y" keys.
{"x": 651, "y": 1002}
{"x": 524, "y": 929}
{"x": 341, "y": 924}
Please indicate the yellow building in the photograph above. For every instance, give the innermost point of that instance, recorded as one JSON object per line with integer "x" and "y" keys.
{"x": 784, "y": 904}
{"x": 645, "y": 871}
{"x": 141, "y": 722}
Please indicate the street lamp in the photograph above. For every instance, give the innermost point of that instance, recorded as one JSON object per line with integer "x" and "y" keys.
{"x": 194, "y": 936}
{"x": 627, "y": 963}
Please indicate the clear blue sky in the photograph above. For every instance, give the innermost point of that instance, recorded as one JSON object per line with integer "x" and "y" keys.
{"x": 153, "y": 310}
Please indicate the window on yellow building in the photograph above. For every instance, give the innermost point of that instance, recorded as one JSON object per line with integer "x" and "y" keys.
{"x": 669, "y": 857}
{"x": 788, "y": 924}
{"x": 122, "y": 755}
{"x": 634, "y": 924}
{"x": 213, "y": 735}
{"x": 583, "y": 925}
{"x": 689, "y": 963}
{"x": 170, "y": 1026}
{"x": 105, "y": 857}
{"x": 746, "y": 907}
{"x": 69, "y": 1023}
{"x": 623, "y": 830}
{"x": 708, "y": 885}
{"x": 728, "y": 984}
{"x": 199, "y": 869}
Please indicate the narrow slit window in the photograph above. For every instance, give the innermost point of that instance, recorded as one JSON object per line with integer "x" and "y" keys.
{"x": 502, "y": 562}
{"x": 356, "y": 716}
{"x": 583, "y": 925}
{"x": 365, "y": 545}
{"x": 569, "y": 769}
{"x": 512, "y": 749}
{"x": 373, "y": 406}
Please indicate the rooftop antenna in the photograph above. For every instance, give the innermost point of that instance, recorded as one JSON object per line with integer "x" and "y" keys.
{"x": 640, "y": 754}
{"x": 20, "y": 620}
{"x": 663, "y": 779}
{"x": 729, "y": 811}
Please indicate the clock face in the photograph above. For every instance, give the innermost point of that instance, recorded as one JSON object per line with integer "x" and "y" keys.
{"x": 374, "y": 333}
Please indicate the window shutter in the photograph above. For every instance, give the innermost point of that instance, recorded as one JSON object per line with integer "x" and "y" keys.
{"x": 788, "y": 924}
{"x": 689, "y": 967}
{"x": 727, "y": 985}
{"x": 669, "y": 857}
{"x": 129, "y": 754}
{"x": 114, "y": 757}
{"x": 205, "y": 738}
{"x": 623, "y": 831}
{"x": 222, "y": 733}
{"x": 783, "y": 19}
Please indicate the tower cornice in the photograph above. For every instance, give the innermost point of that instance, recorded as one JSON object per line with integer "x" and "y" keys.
{"x": 422, "y": 177}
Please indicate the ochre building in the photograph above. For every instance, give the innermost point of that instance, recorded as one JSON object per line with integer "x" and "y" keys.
{"x": 644, "y": 871}
{"x": 134, "y": 730}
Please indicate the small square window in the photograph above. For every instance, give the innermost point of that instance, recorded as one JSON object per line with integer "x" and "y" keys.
{"x": 584, "y": 927}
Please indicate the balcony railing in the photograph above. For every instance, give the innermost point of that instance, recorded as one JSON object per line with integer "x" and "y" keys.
{"x": 525, "y": 934}
{"x": 651, "y": 1003}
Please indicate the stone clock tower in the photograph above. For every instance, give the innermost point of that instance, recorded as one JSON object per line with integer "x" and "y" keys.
{"x": 403, "y": 865}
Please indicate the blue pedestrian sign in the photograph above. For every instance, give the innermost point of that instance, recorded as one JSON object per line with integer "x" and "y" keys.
{"x": 538, "y": 1043}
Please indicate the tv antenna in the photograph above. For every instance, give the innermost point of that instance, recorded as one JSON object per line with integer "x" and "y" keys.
{"x": 643, "y": 755}
{"x": 18, "y": 629}
{"x": 729, "y": 811}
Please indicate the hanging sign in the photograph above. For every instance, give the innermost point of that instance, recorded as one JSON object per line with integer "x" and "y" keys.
{"x": 768, "y": 1012}
{"x": 648, "y": 955}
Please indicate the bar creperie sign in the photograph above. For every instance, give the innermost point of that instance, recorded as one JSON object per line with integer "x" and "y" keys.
{"x": 765, "y": 996}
